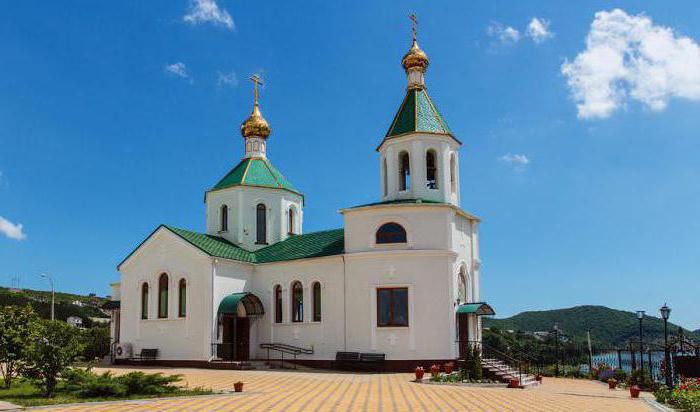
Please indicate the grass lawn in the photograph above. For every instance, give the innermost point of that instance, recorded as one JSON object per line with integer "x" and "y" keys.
{"x": 25, "y": 394}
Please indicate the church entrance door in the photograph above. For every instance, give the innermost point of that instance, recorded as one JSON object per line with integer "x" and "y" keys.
{"x": 242, "y": 339}
{"x": 463, "y": 334}
{"x": 235, "y": 344}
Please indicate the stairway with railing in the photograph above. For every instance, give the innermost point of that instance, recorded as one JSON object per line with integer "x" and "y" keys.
{"x": 282, "y": 349}
{"x": 506, "y": 366}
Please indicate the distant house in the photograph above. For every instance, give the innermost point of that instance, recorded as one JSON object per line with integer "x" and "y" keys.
{"x": 78, "y": 303}
{"x": 75, "y": 321}
{"x": 100, "y": 321}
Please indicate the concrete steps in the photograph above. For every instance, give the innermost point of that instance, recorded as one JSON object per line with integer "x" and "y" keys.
{"x": 505, "y": 373}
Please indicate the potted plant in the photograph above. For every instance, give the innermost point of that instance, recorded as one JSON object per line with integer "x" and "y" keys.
{"x": 634, "y": 391}
{"x": 514, "y": 383}
{"x": 238, "y": 386}
{"x": 419, "y": 373}
{"x": 449, "y": 367}
{"x": 612, "y": 383}
{"x": 435, "y": 371}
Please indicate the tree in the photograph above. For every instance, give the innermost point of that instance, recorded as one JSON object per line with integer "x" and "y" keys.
{"x": 96, "y": 342}
{"x": 53, "y": 347}
{"x": 15, "y": 330}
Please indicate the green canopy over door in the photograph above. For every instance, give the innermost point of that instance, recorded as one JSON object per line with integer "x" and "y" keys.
{"x": 478, "y": 308}
{"x": 253, "y": 305}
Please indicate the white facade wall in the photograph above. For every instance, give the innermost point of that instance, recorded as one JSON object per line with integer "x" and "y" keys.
{"x": 174, "y": 337}
{"x": 242, "y": 202}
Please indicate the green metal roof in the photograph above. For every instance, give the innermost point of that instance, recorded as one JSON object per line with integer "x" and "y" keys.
{"x": 479, "y": 308}
{"x": 253, "y": 305}
{"x": 418, "y": 114}
{"x": 255, "y": 171}
{"x": 309, "y": 245}
{"x": 400, "y": 201}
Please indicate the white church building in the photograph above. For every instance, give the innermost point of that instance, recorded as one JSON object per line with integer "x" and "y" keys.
{"x": 401, "y": 279}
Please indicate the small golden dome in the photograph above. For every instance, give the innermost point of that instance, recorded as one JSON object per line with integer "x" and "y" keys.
{"x": 415, "y": 58}
{"x": 255, "y": 125}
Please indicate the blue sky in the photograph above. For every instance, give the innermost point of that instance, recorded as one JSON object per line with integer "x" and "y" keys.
{"x": 581, "y": 158}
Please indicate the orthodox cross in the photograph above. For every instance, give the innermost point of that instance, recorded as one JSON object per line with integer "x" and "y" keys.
{"x": 256, "y": 79}
{"x": 414, "y": 23}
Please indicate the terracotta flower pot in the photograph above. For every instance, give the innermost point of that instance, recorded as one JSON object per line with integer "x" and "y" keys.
{"x": 435, "y": 370}
{"x": 634, "y": 391}
{"x": 612, "y": 384}
{"x": 419, "y": 373}
{"x": 514, "y": 383}
{"x": 449, "y": 367}
{"x": 238, "y": 386}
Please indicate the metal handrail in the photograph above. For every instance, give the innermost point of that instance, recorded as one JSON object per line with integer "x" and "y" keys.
{"x": 283, "y": 348}
{"x": 507, "y": 357}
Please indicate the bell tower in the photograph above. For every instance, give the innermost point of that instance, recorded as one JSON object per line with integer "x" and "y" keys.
{"x": 419, "y": 156}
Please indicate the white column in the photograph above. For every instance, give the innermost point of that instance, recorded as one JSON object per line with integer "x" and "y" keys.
{"x": 392, "y": 170}
{"x": 417, "y": 156}
{"x": 444, "y": 172}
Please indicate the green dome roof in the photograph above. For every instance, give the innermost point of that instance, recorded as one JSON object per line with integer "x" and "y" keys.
{"x": 256, "y": 172}
{"x": 418, "y": 114}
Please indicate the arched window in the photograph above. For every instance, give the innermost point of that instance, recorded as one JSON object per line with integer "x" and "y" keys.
{"x": 291, "y": 217}
{"x": 384, "y": 177}
{"x": 431, "y": 169}
{"x": 224, "y": 218}
{"x": 278, "y": 304}
{"x": 182, "y": 298}
{"x": 144, "y": 301}
{"x": 391, "y": 233}
{"x": 404, "y": 171}
{"x": 317, "y": 301}
{"x": 163, "y": 296}
{"x": 462, "y": 286}
{"x": 297, "y": 302}
{"x": 261, "y": 224}
{"x": 453, "y": 173}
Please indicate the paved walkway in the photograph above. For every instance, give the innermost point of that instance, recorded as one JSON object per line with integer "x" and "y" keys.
{"x": 314, "y": 391}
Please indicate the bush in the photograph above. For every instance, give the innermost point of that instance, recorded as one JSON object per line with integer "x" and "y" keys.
{"x": 95, "y": 343}
{"x": 685, "y": 396}
{"x": 139, "y": 383}
{"x": 101, "y": 386}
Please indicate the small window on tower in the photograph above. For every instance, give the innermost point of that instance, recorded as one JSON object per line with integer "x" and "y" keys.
{"x": 291, "y": 221}
{"x": 404, "y": 172}
{"x": 224, "y": 218}
{"x": 261, "y": 224}
{"x": 391, "y": 233}
{"x": 431, "y": 169}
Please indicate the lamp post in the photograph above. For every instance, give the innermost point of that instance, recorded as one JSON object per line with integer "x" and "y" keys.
{"x": 665, "y": 314}
{"x": 556, "y": 348}
{"x": 640, "y": 316}
{"x": 53, "y": 293}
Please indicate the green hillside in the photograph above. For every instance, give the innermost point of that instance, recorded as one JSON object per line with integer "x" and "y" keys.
{"x": 40, "y": 301}
{"x": 609, "y": 327}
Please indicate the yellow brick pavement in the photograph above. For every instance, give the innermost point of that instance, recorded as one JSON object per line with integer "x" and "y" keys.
{"x": 315, "y": 391}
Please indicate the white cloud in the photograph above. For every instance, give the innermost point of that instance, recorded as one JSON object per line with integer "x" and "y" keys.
{"x": 178, "y": 69}
{"x": 227, "y": 79}
{"x": 538, "y": 30}
{"x": 505, "y": 35}
{"x": 207, "y": 11}
{"x": 516, "y": 159}
{"x": 631, "y": 58}
{"x": 11, "y": 230}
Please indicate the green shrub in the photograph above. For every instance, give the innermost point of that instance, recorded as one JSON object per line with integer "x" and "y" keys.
{"x": 101, "y": 386}
{"x": 139, "y": 383}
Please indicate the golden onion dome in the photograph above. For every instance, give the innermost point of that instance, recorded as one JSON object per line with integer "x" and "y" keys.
{"x": 255, "y": 125}
{"x": 415, "y": 58}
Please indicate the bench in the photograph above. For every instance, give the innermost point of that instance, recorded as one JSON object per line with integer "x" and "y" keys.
{"x": 359, "y": 361}
{"x": 146, "y": 354}
{"x": 346, "y": 360}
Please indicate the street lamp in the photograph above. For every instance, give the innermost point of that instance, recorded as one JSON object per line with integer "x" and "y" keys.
{"x": 665, "y": 314}
{"x": 53, "y": 293}
{"x": 640, "y": 316}
{"x": 556, "y": 348}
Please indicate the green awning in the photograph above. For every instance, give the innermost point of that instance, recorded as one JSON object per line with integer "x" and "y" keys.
{"x": 252, "y": 304}
{"x": 479, "y": 309}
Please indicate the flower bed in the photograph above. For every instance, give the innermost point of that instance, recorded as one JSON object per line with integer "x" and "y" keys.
{"x": 685, "y": 396}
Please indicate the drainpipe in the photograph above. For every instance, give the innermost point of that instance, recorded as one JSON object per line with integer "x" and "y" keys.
{"x": 345, "y": 309}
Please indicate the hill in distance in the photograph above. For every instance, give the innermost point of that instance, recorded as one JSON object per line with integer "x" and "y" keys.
{"x": 66, "y": 304}
{"x": 609, "y": 327}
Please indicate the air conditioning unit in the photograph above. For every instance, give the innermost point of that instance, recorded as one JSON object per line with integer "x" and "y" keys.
{"x": 124, "y": 350}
